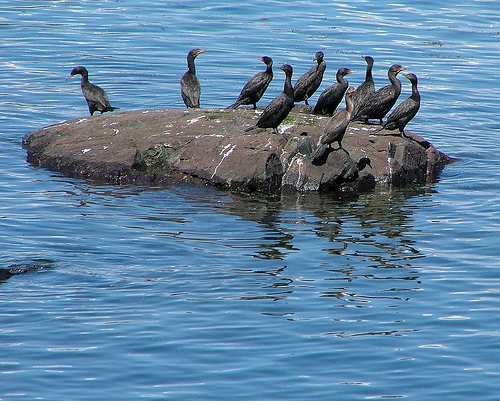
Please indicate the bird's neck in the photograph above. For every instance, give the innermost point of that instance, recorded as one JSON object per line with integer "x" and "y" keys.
{"x": 414, "y": 92}
{"x": 85, "y": 79}
{"x": 348, "y": 103}
{"x": 191, "y": 66}
{"x": 288, "y": 89}
{"x": 368, "y": 76}
{"x": 394, "y": 80}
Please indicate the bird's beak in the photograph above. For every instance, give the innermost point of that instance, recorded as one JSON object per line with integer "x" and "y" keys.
{"x": 202, "y": 51}
{"x": 402, "y": 69}
{"x": 352, "y": 72}
{"x": 69, "y": 77}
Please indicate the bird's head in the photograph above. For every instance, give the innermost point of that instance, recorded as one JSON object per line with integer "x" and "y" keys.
{"x": 80, "y": 70}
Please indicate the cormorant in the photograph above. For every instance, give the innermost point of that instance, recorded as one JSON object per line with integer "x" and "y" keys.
{"x": 363, "y": 91}
{"x": 331, "y": 97}
{"x": 406, "y": 110}
{"x": 96, "y": 97}
{"x": 256, "y": 86}
{"x": 381, "y": 101}
{"x": 276, "y": 111}
{"x": 335, "y": 128}
{"x": 308, "y": 83}
{"x": 190, "y": 85}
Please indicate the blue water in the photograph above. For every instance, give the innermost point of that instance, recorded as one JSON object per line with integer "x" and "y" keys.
{"x": 188, "y": 293}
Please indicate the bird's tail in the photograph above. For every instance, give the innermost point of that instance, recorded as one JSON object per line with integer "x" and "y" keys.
{"x": 320, "y": 151}
{"x": 235, "y": 105}
{"x": 250, "y": 128}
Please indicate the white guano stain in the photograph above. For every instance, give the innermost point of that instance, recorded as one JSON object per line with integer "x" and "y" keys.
{"x": 195, "y": 120}
{"x": 300, "y": 162}
{"x": 225, "y": 152}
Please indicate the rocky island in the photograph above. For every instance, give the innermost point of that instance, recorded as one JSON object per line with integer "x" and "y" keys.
{"x": 210, "y": 146}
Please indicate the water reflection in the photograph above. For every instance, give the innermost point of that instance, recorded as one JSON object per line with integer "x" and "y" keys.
{"x": 367, "y": 253}
{"x": 352, "y": 252}
{"x": 375, "y": 226}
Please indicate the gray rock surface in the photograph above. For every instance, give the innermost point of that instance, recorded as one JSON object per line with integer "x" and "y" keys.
{"x": 211, "y": 146}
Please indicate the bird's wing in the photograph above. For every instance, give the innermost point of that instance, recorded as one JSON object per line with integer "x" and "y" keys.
{"x": 335, "y": 127}
{"x": 403, "y": 110}
{"x": 258, "y": 82}
{"x": 95, "y": 94}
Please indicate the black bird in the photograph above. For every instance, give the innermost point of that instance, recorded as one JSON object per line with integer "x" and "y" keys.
{"x": 363, "y": 91}
{"x": 308, "y": 83}
{"x": 406, "y": 110}
{"x": 276, "y": 111}
{"x": 256, "y": 86}
{"x": 96, "y": 97}
{"x": 335, "y": 128}
{"x": 190, "y": 85}
{"x": 331, "y": 97}
{"x": 381, "y": 101}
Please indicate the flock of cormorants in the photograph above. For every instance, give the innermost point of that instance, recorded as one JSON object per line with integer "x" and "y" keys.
{"x": 362, "y": 104}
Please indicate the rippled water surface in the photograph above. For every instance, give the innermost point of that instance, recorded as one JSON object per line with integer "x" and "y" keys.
{"x": 188, "y": 293}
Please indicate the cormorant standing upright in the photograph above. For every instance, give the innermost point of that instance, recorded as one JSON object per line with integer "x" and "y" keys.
{"x": 309, "y": 82}
{"x": 406, "y": 110}
{"x": 190, "y": 85}
{"x": 381, "y": 101}
{"x": 256, "y": 86}
{"x": 96, "y": 97}
{"x": 335, "y": 128}
{"x": 365, "y": 90}
{"x": 331, "y": 97}
{"x": 276, "y": 111}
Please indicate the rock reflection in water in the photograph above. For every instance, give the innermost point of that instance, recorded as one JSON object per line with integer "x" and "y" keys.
{"x": 367, "y": 237}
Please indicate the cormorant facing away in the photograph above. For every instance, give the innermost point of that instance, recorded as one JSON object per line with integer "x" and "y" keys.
{"x": 256, "y": 86}
{"x": 335, "y": 128}
{"x": 190, "y": 85}
{"x": 406, "y": 110}
{"x": 276, "y": 111}
{"x": 381, "y": 101}
{"x": 96, "y": 97}
{"x": 363, "y": 91}
{"x": 331, "y": 97}
{"x": 309, "y": 82}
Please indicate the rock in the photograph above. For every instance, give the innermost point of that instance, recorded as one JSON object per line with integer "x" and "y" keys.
{"x": 211, "y": 146}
